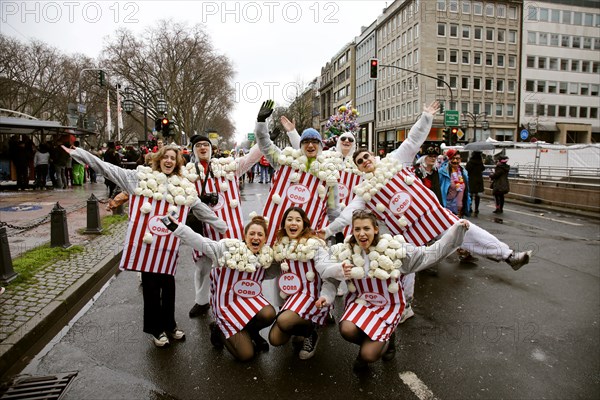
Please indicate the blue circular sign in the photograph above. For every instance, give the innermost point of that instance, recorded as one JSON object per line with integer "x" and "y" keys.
{"x": 524, "y": 134}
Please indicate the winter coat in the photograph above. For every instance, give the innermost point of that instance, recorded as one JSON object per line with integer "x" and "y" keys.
{"x": 499, "y": 179}
{"x": 475, "y": 169}
{"x": 445, "y": 182}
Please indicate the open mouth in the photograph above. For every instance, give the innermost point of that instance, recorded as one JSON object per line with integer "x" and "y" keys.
{"x": 254, "y": 244}
{"x": 293, "y": 231}
{"x": 363, "y": 242}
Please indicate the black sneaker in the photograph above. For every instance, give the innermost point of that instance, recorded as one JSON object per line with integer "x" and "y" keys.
{"x": 215, "y": 336}
{"x": 198, "y": 310}
{"x": 310, "y": 346}
{"x": 390, "y": 353}
{"x": 260, "y": 344}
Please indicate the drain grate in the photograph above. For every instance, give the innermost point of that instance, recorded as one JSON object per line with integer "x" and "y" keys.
{"x": 50, "y": 387}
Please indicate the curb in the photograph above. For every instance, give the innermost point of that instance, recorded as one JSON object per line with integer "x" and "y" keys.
{"x": 29, "y": 339}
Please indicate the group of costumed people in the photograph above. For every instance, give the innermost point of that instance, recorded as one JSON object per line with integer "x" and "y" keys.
{"x": 314, "y": 195}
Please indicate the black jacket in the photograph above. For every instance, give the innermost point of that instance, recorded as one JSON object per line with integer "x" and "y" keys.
{"x": 499, "y": 178}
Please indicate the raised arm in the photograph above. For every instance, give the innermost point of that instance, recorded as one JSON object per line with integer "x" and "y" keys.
{"x": 345, "y": 217}
{"x": 205, "y": 214}
{"x": 204, "y": 245}
{"x": 290, "y": 130}
{"x": 416, "y": 136}
{"x": 126, "y": 179}
{"x": 246, "y": 162}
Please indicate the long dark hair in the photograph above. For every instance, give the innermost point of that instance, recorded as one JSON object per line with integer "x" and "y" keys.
{"x": 306, "y": 229}
{"x": 364, "y": 214}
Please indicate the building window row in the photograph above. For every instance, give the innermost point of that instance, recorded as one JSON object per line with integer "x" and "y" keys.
{"x": 402, "y": 17}
{"x": 477, "y": 32}
{"x": 477, "y": 83}
{"x": 406, "y": 110}
{"x": 563, "y": 64}
{"x": 406, "y": 39}
{"x": 557, "y": 87}
{"x": 468, "y": 7}
{"x": 566, "y": 17}
{"x": 558, "y": 40}
{"x": 466, "y": 57}
{"x": 554, "y": 110}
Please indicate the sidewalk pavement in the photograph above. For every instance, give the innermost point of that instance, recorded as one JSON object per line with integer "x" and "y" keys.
{"x": 30, "y": 317}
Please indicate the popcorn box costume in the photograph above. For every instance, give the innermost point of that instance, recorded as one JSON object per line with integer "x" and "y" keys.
{"x": 348, "y": 181}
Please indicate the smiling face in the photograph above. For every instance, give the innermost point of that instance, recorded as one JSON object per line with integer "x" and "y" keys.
{"x": 311, "y": 147}
{"x": 455, "y": 161}
{"x": 294, "y": 225}
{"x": 168, "y": 162}
{"x": 346, "y": 144}
{"x": 255, "y": 238}
{"x": 364, "y": 232}
{"x": 365, "y": 162}
{"x": 430, "y": 160}
{"x": 202, "y": 150}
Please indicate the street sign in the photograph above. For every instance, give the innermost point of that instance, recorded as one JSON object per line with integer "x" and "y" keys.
{"x": 524, "y": 134}
{"x": 81, "y": 108}
{"x": 213, "y": 135}
{"x": 251, "y": 137}
{"x": 460, "y": 134}
{"x": 451, "y": 118}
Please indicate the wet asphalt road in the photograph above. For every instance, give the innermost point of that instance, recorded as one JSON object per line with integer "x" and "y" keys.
{"x": 481, "y": 331}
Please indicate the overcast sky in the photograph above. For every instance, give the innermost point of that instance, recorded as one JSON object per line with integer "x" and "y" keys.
{"x": 272, "y": 44}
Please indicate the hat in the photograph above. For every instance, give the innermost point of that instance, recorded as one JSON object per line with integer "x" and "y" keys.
{"x": 338, "y": 146}
{"x": 431, "y": 150}
{"x": 450, "y": 153}
{"x": 311, "y": 134}
{"x": 199, "y": 138}
{"x": 503, "y": 158}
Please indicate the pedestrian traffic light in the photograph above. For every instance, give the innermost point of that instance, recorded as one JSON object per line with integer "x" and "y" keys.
{"x": 166, "y": 126}
{"x": 446, "y": 136}
{"x": 373, "y": 68}
{"x": 101, "y": 77}
{"x": 158, "y": 124}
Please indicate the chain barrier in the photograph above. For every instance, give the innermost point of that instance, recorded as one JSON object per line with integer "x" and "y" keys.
{"x": 45, "y": 219}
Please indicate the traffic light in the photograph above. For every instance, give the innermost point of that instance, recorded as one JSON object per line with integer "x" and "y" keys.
{"x": 166, "y": 126}
{"x": 158, "y": 124}
{"x": 446, "y": 136}
{"x": 453, "y": 135}
{"x": 373, "y": 68}
{"x": 441, "y": 107}
{"x": 101, "y": 77}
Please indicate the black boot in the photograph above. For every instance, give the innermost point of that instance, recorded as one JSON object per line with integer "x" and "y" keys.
{"x": 390, "y": 353}
{"x": 215, "y": 336}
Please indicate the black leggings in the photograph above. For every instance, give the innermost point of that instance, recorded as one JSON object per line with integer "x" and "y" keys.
{"x": 159, "y": 303}
{"x": 499, "y": 197}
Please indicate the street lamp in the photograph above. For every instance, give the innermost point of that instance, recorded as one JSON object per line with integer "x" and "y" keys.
{"x": 464, "y": 123}
{"x": 161, "y": 104}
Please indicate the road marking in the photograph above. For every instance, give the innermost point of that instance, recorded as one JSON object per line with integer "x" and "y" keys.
{"x": 417, "y": 386}
{"x": 548, "y": 218}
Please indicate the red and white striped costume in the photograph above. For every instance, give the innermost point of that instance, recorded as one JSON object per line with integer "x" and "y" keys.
{"x": 162, "y": 254}
{"x": 379, "y": 317}
{"x": 303, "y": 194}
{"x": 232, "y": 311}
{"x": 303, "y": 301}
{"x": 427, "y": 219}
{"x": 348, "y": 181}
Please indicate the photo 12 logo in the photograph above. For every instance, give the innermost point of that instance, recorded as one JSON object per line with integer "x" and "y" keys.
{"x": 253, "y": 12}
{"x": 53, "y": 12}
{"x": 256, "y": 92}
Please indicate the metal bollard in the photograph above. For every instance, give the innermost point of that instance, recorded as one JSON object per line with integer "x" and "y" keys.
{"x": 119, "y": 210}
{"x": 7, "y": 273}
{"x": 59, "y": 232}
{"x": 93, "y": 216}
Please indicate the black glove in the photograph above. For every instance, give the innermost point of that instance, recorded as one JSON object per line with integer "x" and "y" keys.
{"x": 265, "y": 111}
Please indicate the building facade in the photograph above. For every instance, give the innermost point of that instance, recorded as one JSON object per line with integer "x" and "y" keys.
{"x": 365, "y": 86}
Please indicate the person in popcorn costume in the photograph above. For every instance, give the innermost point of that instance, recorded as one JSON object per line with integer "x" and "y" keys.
{"x": 454, "y": 185}
{"x": 377, "y": 172}
{"x": 306, "y": 270}
{"x": 373, "y": 265}
{"x": 173, "y": 183}
{"x": 238, "y": 306}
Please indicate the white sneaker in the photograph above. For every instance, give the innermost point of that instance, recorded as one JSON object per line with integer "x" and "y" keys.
{"x": 406, "y": 314}
{"x": 177, "y": 334}
{"x": 161, "y": 340}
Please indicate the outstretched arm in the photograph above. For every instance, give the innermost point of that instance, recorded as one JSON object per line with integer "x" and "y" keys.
{"x": 290, "y": 129}
{"x": 246, "y": 162}
{"x": 205, "y": 214}
{"x": 416, "y": 136}
{"x": 204, "y": 245}
{"x": 345, "y": 217}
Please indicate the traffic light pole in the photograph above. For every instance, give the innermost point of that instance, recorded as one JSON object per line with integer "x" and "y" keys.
{"x": 428, "y": 76}
{"x": 145, "y": 97}
{"x": 80, "y": 119}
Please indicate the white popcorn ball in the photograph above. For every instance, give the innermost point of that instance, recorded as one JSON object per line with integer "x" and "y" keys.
{"x": 179, "y": 200}
{"x": 192, "y": 177}
{"x": 147, "y": 238}
{"x": 393, "y": 287}
{"x": 361, "y": 302}
{"x": 351, "y": 287}
{"x": 190, "y": 190}
{"x": 395, "y": 274}
{"x": 409, "y": 180}
{"x": 252, "y": 214}
{"x": 285, "y": 267}
{"x": 141, "y": 176}
{"x": 374, "y": 255}
{"x": 302, "y": 159}
{"x": 190, "y": 200}
{"x": 381, "y": 274}
{"x": 276, "y": 199}
{"x": 373, "y": 265}
{"x": 143, "y": 185}
{"x": 382, "y": 245}
{"x": 250, "y": 268}
{"x": 390, "y": 253}
{"x": 310, "y": 276}
{"x": 233, "y": 203}
{"x": 146, "y": 208}
{"x": 401, "y": 253}
{"x": 169, "y": 199}
{"x": 380, "y": 207}
{"x": 147, "y": 193}
{"x": 295, "y": 164}
{"x": 175, "y": 180}
{"x": 310, "y": 255}
{"x": 295, "y": 177}
{"x": 152, "y": 184}
{"x": 367, "y": 197}
{"x": 283, "y": 295}
{"x": 357, "y": 273}
{"x": 137, "y": 191}
{"x": 403, "y": 221}
{"x": 346, "y": 253}
{"x": 157, "y": 196}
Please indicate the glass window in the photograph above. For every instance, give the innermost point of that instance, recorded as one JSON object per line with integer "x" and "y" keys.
{"x": 544, "y": 14}
{"x": 465, "y": 82}
{"x": 489, "y": 84}
{"x": 440, "y": 81}
{"x": 564, "y": 64}
{"x": 489, "y": 59}
{"x": 555, "y": 16}
{"x": 489, "y": 10}
{"x": 543, "y": 39}
{"x": 593, "y": 112}
{"x": 584, "y": 89}
{"x": 573, "y": 88}
{"x": 512, "y": 61}
{"x": 416, "y": 30}
{"x": 585, "y": 66}
{"x": 565, "y": 40}
{"x": 500, "y": 85}
{"x": 562, "y": 111}
{"x": 532, "y": 13}
{"x": 554, "y": 39}
{"x": 453, "y": 6}
{"x": 453, "y": 56}
{"x": 477, "y": 8}
{"x": 528, "y": 109}
{"x": 541, "y": 87}
{"x": 453, "y": 81}
{"x": 512, "y": 12}
{"x": 416, "y": 53}
{"x": 576, "y": 42}
{"x": 477, "y": 58}
{"x": 566, "y": 17}
{"x": 510, "y": 110}
{"x": 530, "y": 61}
{"x": 553, "y": 64}
{"x": 577, "y": 18}
{"x": 540, "y": 110}
{"x": 466, "y": 57}
{"x": 489, "y": 34}
{"x": 477, "y": 83}
{"x": 542, "y": 62}
{"x": 464, "y": 107}
{"x": 441, "y": 30}
{"x": 574, "y": 65}
{"x": 582, "y": 112}
{"x": 501, "y": 35}
{"x": 476, "y": 108}
{"x": 587, "y": 43}
{"x": 488, "y": 108}
{"x": 453, "y": 30}
{"x": 477, "y": 31}
{"x": 588, "y": 19}
{"x": 512, "y": 84}
{"x": 531, "y": 37}
{"x": 466, "y": 7}
{"x": 562, "y": 88}
{"x": 529, "y": 85}
{"x": 573, "y": 112}
{"x": 551, "y": 110}
{"x": 512, "y": 36}
{"x": 499, "y": 110}
{"x": 466, "y": 31}
{"x": 597, "y": 44}
{"x": 501, "y": 10}
{"x": 500, "y": 60}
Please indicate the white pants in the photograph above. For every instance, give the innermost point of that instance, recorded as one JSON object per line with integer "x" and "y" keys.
{"x": 201, "y": 280}
{"x": 481, "y": 242}
{"x": 408, "y": 286}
